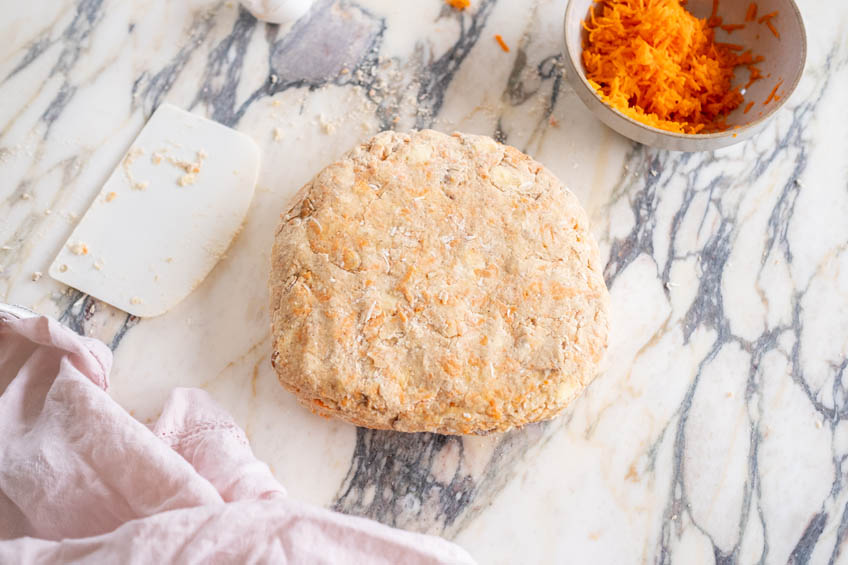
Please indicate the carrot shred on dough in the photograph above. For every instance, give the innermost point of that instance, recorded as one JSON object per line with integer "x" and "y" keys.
{"x": 658, "y": 64}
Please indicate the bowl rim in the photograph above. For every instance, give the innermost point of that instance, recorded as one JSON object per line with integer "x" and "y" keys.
{"x": 577, "y": 64}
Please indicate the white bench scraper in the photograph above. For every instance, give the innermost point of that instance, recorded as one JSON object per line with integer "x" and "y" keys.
{"x": 166, "y": 215}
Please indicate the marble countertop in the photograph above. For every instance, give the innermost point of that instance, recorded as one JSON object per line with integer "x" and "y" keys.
{"x": 718, "y": 431}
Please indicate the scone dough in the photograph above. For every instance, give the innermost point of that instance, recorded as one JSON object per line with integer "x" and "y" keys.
{"x": 432, "y": 282}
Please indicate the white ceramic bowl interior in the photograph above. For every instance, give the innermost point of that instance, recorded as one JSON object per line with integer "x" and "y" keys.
{"x": 784, "y": 61}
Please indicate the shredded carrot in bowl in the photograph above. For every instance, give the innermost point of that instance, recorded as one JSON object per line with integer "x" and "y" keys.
{"x": 658, "y": 64}
{"x": 752, "y": 12}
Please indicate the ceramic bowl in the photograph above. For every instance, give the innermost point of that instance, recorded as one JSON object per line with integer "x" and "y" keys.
{"x": 784, "y": 61}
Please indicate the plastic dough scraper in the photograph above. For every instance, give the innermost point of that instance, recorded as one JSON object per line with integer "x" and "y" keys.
{"x": 165, "y": 216}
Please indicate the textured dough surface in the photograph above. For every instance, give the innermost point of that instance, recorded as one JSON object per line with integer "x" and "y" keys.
{"x": 432, "y": 282}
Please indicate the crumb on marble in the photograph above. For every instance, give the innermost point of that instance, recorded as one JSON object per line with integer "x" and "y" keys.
{"x": 63, "y": 268}
{"x": 141, "y": 185}
{"x": 169, "y": 259}
{"x": 48, "y": 212}
{"x": 276, "y": 103}
{"x": 278, "y": 134}
{"x": 111, "y": 196}
{"x": 26, "y": 196}
{"x": 135, "y": 300}
{"x": 187, "y": 180}
{"x": 98, "y": 264}
{"x": 36, "y": 275}
{"x": 326, "y": 126}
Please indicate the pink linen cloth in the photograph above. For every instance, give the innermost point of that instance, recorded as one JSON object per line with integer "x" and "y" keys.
{"x": 83, "y": 481}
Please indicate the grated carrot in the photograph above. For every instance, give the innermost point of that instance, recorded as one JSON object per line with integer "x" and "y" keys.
{"x": 458, "y": 4}
{"x": 730, "y": 28}
{"x": 747, "y": 58}
{"x": 773, "y": 95}
{"x": 502, "y": 43}
{"x": 714, "y": 20}
{"x": 731, "y": 46}
{"x": 772, "y": 28}
{"x": 748, "y": 106}
{"x": 766, "y": 17}
{"x": 658, "y": 64}
{"x": 752, "y": 12}
{"x": 754, "y": 76}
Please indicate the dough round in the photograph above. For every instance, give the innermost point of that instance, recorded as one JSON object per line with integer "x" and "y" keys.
{"x": 432, "y": 282}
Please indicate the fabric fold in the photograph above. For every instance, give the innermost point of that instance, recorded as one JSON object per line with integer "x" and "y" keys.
{"x": 81, "y": 480}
